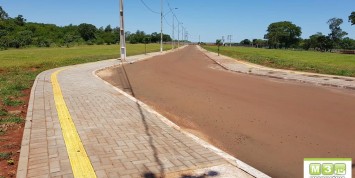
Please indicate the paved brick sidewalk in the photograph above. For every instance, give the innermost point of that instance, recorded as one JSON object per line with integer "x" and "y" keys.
{"x": 122, "y": 137}
{"x": 313, "y": 78}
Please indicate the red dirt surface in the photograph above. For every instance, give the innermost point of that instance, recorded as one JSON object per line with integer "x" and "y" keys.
{"x": 10, "y": 142}
{"x": 270, "y": 124}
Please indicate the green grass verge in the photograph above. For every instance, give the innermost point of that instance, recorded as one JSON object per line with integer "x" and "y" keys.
{"x": 19, "y": 67}
{"x": 11, "y": 102}
{"x": 11, "y": 119}
{"x": 309, "y": 61}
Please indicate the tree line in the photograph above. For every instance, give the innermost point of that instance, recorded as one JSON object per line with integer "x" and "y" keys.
{"x": 16, "y": 32}
{"x": 285, "y": 34}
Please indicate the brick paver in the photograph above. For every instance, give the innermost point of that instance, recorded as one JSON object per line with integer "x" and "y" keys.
{"x": 122, "y": 137}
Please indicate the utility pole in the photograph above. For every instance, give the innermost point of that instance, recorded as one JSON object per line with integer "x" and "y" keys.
{"x": 227, "y": 38}
{"x": 178, "y": 34}
{"x": 122, "y": 33}
{"x": 199, "y": 39}
{"x": 182, "y": 36}
{"x": 172, "y": 40}
{"x": 187, "y": 37}
{"x": 161, "y": 25}
{"x": 230, "y": 41}
{"x": 223, "y": 40}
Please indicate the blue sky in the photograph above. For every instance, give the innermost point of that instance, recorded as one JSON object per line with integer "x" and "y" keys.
{"x": 211, "y": 19}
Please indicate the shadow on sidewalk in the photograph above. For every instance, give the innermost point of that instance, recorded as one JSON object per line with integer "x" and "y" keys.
{"x": 151, "y": 139}
{"x": 125, "y": 84}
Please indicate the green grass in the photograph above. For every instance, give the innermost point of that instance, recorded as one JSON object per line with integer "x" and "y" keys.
{"x": 5, "y": 156}
{"x": 309, "y": 61}
{"x": 19, "y": 67}
{"x": 11, "y": 119}
{"x": 11, "y": 102}
{"x": 3, "y": 112}
{"x": 55, "y": 57}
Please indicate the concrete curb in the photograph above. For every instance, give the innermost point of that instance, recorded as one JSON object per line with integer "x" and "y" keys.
{"x": 234, "y": 161}
{"x": 25, "y": 143}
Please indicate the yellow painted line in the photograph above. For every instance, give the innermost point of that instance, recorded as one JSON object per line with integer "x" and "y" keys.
{"x": 79, "y": 160}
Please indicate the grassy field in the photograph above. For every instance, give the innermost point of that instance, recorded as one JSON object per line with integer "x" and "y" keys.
{"x": 34, "y": 57}
{"x": 19, "y": 67}
{"x": 309, "y": 61}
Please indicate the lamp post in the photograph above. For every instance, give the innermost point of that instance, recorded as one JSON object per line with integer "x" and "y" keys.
{"x": 163, "y": 16}
{"x": 182, "y": 36}
{"x": 172, "y": 40}
{"x": 179, "y": 34}
{"x": 161, "y": 26}
{"x": 122, "y": 33}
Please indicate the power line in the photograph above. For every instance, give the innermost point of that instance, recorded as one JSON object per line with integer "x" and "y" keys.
{"x": 166, "y": 21}
{"x": 173, "y": 12}
{"x": 142, "y": 1}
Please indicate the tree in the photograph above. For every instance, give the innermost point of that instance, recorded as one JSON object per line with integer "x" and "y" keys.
{"x": 336, "y": 34}
{"x": 218, "y": 43}
{"x": 306, "y": 44}
{"x": 320, "y": 42}
{"x": 314, "y": 40}
{"x": 116, "y": 33}
{"x": 4, "y": 42}
{"x": 347, "y": 43}
{"x": 108, "y": 28}
{"x": 283, "y": 34}
{"x": 3, "y": 14}
{"x": 19, "y": 20}
{"x": 352, "y": 18}
{"x": 166, "y": 38}
{"x": 324, "y": 43}
{"x": 254, "y": 41}
{"x": 87, "y": 31}
{"x": 245, "y": 42}
{"x": 155, "y": 37}
{"x": 43, "y": 42}
{"x": 24, "y": 38}
{"x": 69, "y": 38}
{"x": 137, "y": 37}
{"x": 108, "y": 38}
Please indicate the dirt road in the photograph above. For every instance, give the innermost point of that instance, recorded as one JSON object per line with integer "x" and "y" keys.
{"x": 270, "y": 124}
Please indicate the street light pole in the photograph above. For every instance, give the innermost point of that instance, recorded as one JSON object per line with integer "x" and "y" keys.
{"x": 173, "y": 34}
{"x": 182, "y": 36}
{"x": 122, "y": 33}
{"x": 178, "y": 34}
{"x": 161, "y": 26}
{"x": 172, "y": 40}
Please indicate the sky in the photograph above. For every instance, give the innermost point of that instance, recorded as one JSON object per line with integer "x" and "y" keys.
{"x": 207, "y": 19}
